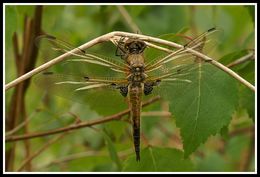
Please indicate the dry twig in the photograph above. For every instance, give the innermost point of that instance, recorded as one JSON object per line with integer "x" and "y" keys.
{"x": 108, "y": 37}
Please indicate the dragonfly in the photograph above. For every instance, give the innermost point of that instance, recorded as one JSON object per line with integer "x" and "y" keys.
{"x": 128, "y": 79}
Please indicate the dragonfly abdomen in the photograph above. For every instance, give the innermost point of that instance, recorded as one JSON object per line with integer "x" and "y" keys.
{"x": 135, "y": 94}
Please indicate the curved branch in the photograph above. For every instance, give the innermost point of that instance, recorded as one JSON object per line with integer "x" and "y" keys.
{"x": 108, "y": 37}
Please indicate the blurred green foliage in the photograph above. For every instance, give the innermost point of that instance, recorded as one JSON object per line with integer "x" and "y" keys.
{"x": 111, "y": 149}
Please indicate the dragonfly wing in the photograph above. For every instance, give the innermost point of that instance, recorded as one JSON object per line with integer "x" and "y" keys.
{"x": 204, "y": 43}
{"x": 83, "y": 77}
{"x": 181, "y": 77}
{"x": 101, "y": 94}
{"x": 181, "y": 69}
{"x": 52, "y": 47}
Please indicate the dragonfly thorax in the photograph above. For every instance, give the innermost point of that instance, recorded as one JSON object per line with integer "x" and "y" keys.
{"x": 137, "y": 75}
{"x": 135, "y": 60}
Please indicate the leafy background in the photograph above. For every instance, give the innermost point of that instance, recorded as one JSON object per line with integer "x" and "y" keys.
{"x": 227, "y": 144}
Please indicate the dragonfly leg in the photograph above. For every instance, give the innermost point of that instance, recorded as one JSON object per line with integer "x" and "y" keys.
{"x": 120, "y": 50}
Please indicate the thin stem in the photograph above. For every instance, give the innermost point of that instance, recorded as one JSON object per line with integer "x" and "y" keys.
{"x": 76, "y": 156}
{"x": 128, "y": 19}
{"x": 156, "y": 113}
{"x": 21, "y": 125}
{"x": 158, "y": 47}
{"x": 249, "y": 56}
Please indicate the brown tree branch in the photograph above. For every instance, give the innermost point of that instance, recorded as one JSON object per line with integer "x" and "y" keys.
{"x": 77, "y": 126}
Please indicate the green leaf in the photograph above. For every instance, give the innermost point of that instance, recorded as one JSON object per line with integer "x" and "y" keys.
{"x": 228, "y": 58}
{"x": 251, "y": 10}
{"x": 247, "y": 71}
{"x": 224, "y": 132}
{"x": 10, "y": 23}
{"x": 112, "y": 151}
{"x": 204, "y": 106}
{"x": 154, "y": 159}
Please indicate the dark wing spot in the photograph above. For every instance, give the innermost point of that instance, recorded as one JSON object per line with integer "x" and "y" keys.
{"x": 86, "y": 78}
{"x": 123, "y": 91}
{"x": 211, "y": 29}
{"x": 178, "y": 70}
{"x": 148, "y": 88}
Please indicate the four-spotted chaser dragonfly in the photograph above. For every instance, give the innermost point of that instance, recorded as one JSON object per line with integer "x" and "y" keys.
{"x": 93, "y": 79}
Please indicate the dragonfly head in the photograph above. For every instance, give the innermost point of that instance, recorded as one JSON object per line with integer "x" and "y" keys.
{"x": 135, "y": 46}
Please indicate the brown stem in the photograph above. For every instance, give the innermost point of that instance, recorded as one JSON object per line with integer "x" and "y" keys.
{"x": 24, "y": 63}
{"x": 242, "y": 130}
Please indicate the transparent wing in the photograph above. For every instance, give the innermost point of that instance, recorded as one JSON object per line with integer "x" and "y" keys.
{"x": 180, "y": 69}
{"x": 203, "y": 43}
{"x": 52, "y": 47}
{"x": 83, "y": 77}
{"x": 99, "y": 93}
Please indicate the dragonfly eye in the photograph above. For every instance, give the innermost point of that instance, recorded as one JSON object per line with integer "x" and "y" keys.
{"x": 141, "y": 46}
